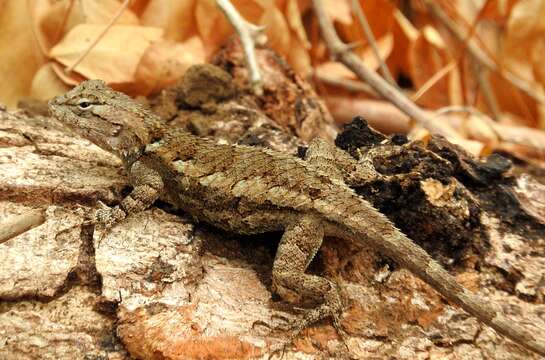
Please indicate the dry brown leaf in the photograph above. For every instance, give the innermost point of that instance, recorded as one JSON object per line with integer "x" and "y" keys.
{"x": 212, "y": 25}
{"x": 72, "y": 78}
{"x": 404, "y": 34}
{"x": 498, "y": 10}
{"x": 47, "y": 84}
{"x": 519, "y": 46}
{"x": 427, "y": 56}
{"x": 475, "y": 148}
{"x": 335, "y": 69}
{"x": 525, "y": 26}
{"x": 480, "y": 129}
{"x": 380, "y": 16}
{"x": 138, "y": 6}
{"x": 115, "y": 57}
{"x": 53, "y": 25}
{"x": 276, "y": 29}
{"x": 19, "y": 53}
{"x": 295, "y": 22}
{"x": 513, "y": 101}
{"x": 381, "y": 115}
{"x": 420, "y": 134}
{"x": 299, "y": 57}
{"x": 164, "y": 62}
{"x": 385, "y": 45}
{"x": 523, "y": 53}
{"x": 538, "y": 54}
{"x": 175, "y": 17}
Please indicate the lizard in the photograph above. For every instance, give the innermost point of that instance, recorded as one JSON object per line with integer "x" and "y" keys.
{"x": 250, "y": 190}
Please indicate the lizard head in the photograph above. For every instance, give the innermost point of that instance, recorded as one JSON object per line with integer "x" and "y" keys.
{"x": 108, "y": 118}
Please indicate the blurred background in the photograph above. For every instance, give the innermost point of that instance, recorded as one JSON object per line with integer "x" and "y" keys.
{"x": 474, "y": 65}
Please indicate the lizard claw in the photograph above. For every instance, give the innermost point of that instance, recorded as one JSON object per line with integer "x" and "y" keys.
{"x": 108, "y": 216}
{"x": 331, "y": 307}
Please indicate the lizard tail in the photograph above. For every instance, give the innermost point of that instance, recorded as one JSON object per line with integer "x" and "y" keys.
{"x": 377, "y": 230}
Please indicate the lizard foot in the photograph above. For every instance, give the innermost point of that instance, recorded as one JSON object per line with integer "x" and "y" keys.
{"x": 331, "y": 307}
{"x": 106, "y": 217}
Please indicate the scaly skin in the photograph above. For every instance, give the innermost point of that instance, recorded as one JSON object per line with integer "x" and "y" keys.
{"x": 249, "y": 190}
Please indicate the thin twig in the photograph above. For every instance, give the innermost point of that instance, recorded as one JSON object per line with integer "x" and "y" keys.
{"x": 434, "y": 79}
{"x": 339, "y": 50}
{"x": 18, "y": 224}
{"x": 249, "y": 34}
{"x": 436, "y": 11}
{"x": 356, "y": 6}
{"x": 120, "y": 11}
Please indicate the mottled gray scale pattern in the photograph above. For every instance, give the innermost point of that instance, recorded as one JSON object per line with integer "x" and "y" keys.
{"x": 283, "y": 181}
{"x": 251, "y": 190}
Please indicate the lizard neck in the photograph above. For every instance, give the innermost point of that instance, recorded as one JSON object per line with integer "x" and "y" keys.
{"x": 133, "y": 140}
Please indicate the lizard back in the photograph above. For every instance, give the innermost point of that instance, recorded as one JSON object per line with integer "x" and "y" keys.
{"x": 243, "y": 188}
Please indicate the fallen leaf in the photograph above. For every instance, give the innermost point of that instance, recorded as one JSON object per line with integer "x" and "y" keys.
{"x": 115, "y": 57}
{"x": 475, "y": 148}
{"x": 522, "y": 53}
{"x": 299, "y": 57}
{"x": 294, "y": 19}
{"x": 72, "y": 78}
{"x": 164, "y": 62}
{"x": 405, "y": 34}
{"x": 385, "y": 45}
{"x": 498, "y": 11}
{"x": 336, "y": 69}
{"x": 380, "y": 17}
{"x": 427, "y": 56}
{"x": 46, "y": 83}
{"x": 276, "y": 29}
{"x": 212, "y": 25}
{"x": 62, "y": 16}
{"x": 19, "y": 53}
{"x": 512, "y": 101}
{"x": 175, "y": 17}
{"x": 480, "y": 129}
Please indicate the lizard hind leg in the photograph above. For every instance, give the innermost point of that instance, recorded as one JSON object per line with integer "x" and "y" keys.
{"x": 298, "y": 246}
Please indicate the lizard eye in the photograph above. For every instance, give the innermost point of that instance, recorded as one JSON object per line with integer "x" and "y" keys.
{"x": 84, "y": 104}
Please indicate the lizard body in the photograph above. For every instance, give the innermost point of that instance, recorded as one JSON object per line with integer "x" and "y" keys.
{"x": 250, "y": 190}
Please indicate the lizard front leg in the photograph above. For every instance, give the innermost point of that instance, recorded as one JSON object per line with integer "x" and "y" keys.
{"x": 297, "y": 248}
{"x": 147, "y": 186}
{"x": 338, "y": 164}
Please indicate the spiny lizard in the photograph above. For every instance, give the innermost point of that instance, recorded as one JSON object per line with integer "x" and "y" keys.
{"x": 250, "y": 190}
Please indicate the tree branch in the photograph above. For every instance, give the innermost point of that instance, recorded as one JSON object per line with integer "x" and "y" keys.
{"x": 340, "y": 51}
{"x": 249, "y": 34}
